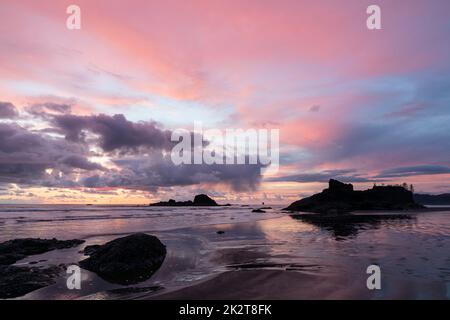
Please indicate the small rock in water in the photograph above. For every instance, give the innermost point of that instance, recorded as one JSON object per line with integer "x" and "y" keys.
{"x": 220, "y": 232}
{"x": 258, "y": 210}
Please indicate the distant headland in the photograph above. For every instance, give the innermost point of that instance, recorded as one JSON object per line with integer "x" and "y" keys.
{"x": 431, "y": 199}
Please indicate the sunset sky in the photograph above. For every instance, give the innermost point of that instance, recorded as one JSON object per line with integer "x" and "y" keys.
{"x": 85, "y": 115}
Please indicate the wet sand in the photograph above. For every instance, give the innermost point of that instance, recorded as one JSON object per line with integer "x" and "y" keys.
{"x": 409, "y": 267}
{"x": 291, "y": 285}
{"x": 265, "y": 285}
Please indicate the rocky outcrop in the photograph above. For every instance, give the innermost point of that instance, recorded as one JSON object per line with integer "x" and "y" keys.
{"x": 17, "y": 249}
{"x": 16, "y": 281}
{"x": 341, "y": 198}
{"x": 88, "y": 250}
{"x": 200, "y": 200}
{"x": 126, "y": 260}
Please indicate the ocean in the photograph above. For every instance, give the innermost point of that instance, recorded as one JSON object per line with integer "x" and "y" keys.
{"x": 413, "y": 254}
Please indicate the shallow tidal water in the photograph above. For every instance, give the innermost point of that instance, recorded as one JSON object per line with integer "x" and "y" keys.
{"x": 413, "y": 253}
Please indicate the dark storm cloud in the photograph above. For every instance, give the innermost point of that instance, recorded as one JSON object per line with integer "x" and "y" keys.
{"x": 413, "y": 171}
{"x": 16, "y": 139}
{"x": 7, "y": 110}
{"x": 24, "y": 156}
{"x": 323, "y": 176}
{"x": 21, "y": 173}
{"x": 41, "y": 158}
{"x": 116, "y": 133}
{"x": 77, "y": 161}
{"x": 150, "y": 173}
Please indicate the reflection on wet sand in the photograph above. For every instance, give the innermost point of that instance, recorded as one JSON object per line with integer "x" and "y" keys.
{"x": 308, "y": 259}
{"x": 348, "y": 225}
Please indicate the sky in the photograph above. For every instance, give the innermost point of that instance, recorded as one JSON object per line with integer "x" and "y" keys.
{"x": 86, "y": 115}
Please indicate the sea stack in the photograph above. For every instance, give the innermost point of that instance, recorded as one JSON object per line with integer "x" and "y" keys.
{"x": 204, "y": 200}
{"x": 200, "y": 200}
{"x": 342, "y": 198}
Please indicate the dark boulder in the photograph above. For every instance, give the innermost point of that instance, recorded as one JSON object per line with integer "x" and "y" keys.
{"x": 17, "y": 249}
{"x": 127, "y": 260}
{"x": 258, "y": 210}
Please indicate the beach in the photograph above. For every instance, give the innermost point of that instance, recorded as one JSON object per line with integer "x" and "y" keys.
{"x": 233, "y": 253}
